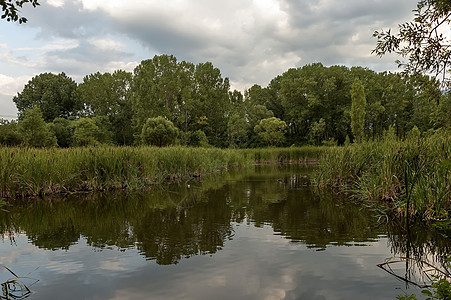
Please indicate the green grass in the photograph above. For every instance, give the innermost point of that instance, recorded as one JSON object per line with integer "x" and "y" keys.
{"x": 413, "y": 175}
{"x": 36, "y": 172}
{"x": 304, "y": 154}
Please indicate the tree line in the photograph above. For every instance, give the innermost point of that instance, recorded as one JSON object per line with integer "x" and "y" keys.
{"x": 165, "y": 101}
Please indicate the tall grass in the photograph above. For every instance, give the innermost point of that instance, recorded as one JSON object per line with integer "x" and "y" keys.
{"x": 413, "y": 175}
{"x": 304, "y": 154}
{"x": 33, "y": 172}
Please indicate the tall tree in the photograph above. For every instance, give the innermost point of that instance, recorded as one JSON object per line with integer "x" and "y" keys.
{"x": 192, "y": 97}
{"x": 54, "y": 94}
{"x": 425, "y": 41}
{"x": 358, "y": 109}
{"x": 107, "y": 95}
{"x": 237, "y": 130}
{"x": 161, "y": 87}
{"x": 211, "y": 96}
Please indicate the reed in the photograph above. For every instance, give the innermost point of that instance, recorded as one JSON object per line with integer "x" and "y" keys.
{"x": 306, "y": 154}
{"x": 36, "y": 172}
{"x": 412, "y": 175}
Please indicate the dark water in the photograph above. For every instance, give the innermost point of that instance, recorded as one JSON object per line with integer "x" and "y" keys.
{"x": 255, "y": 234}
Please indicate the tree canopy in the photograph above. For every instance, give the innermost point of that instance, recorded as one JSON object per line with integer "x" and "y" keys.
{"x": 313, "y": 101}
{"x": 53, "y": 93}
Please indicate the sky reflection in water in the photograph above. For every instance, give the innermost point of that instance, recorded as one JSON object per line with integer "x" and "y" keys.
{"x": 259, "y": 234}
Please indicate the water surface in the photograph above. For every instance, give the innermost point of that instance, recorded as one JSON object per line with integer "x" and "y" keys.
{"x": 262, "y": 233}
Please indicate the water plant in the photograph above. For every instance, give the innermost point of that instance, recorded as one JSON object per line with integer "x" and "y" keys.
{"x": 15, "y": 288}
{"x": 37, "y": 172}
{"x": 413, "y": 175}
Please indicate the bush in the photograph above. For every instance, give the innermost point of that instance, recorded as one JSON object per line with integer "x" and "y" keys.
{"x": 158, "y": 132}
{"x": 198, "y": 139}
{"x": 34, "y": 131}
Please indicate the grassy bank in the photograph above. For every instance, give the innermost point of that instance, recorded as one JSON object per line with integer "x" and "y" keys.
{"x": 34, "y": 172}
{"x": 413, "y": 176}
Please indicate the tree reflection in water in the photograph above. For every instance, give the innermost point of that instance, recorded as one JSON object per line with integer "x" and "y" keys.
{"x": 173, "y": 222}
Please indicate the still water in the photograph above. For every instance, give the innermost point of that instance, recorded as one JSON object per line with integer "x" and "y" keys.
{"x": 261, "y": 233}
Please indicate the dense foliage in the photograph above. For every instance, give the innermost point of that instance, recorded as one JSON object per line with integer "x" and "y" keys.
{"x": 40, "y": 171}
{"x": 413, "y": 175}
{"x": 315, "y": 102}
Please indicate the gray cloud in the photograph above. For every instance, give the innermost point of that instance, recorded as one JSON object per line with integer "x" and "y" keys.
{"x": 250, "y": 41}
{"x": 84, "y": 59}
{"x": 70, "y": 21}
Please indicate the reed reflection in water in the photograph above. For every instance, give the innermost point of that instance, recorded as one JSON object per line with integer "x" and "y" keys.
{"x": 261, "y": 233}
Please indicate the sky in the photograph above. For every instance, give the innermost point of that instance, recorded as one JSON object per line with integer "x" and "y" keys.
{"x": 250, "y": 41}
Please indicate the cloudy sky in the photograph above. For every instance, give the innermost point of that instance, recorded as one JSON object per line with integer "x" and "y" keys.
{"x": 250, "y": 41}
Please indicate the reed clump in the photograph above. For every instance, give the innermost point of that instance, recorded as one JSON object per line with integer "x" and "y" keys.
{"x": 36, "y": 172}
{"x": 412, "y": 175}
{"x": 33, "y": 172}
{"x": 305, "y": 154}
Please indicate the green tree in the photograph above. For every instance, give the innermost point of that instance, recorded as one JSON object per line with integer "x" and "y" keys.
{"x": 10, "y": 9}
{"x": 159, "y": 88}
{"x": 54, "y": 94}
{"x": 34, "y": 131}
{"x": 107, "y": 95}
{"x": 358, "y": 109}
{"x": 211, "y": 99}
{"x": 86, "y": 132}
{"x": 442, "y": 114}
{"x": 198, "y": 139}
{"x": 271, "y": 131}
{"x": 237, "y": 129}
{"x": 159, "y": 132}
{"x": 191, "y": 97}
{"x": 425, "y": 41}
{"x": 64, "y": 131}
{"x": 256, "y": 113}
{"x": 105, "y": 134}
{"x": 9, "y": 135}
{"x": 317, "y": 131}
{"x": 92, "y": 131}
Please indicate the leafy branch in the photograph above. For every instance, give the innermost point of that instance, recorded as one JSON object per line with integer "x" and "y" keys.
{"x": 10, "y": 9}
{"x": 425, "y": 41}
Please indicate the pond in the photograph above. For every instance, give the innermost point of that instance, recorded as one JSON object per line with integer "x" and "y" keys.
{"x": 258, "y": 233}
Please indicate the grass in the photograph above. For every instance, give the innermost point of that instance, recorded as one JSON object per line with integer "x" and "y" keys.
{"x": 37, "y": 172}
{"x": 412, "y": 175}
{"x": 304, "y": 154}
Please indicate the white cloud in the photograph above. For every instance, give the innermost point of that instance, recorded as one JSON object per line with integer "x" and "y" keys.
{"x": 60, "y": 44}
{"x": 106, "y": 44}
{"x": 120, "y": 65}
{"x": 10, "y": 85}
{"x": 56, "y": 3}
